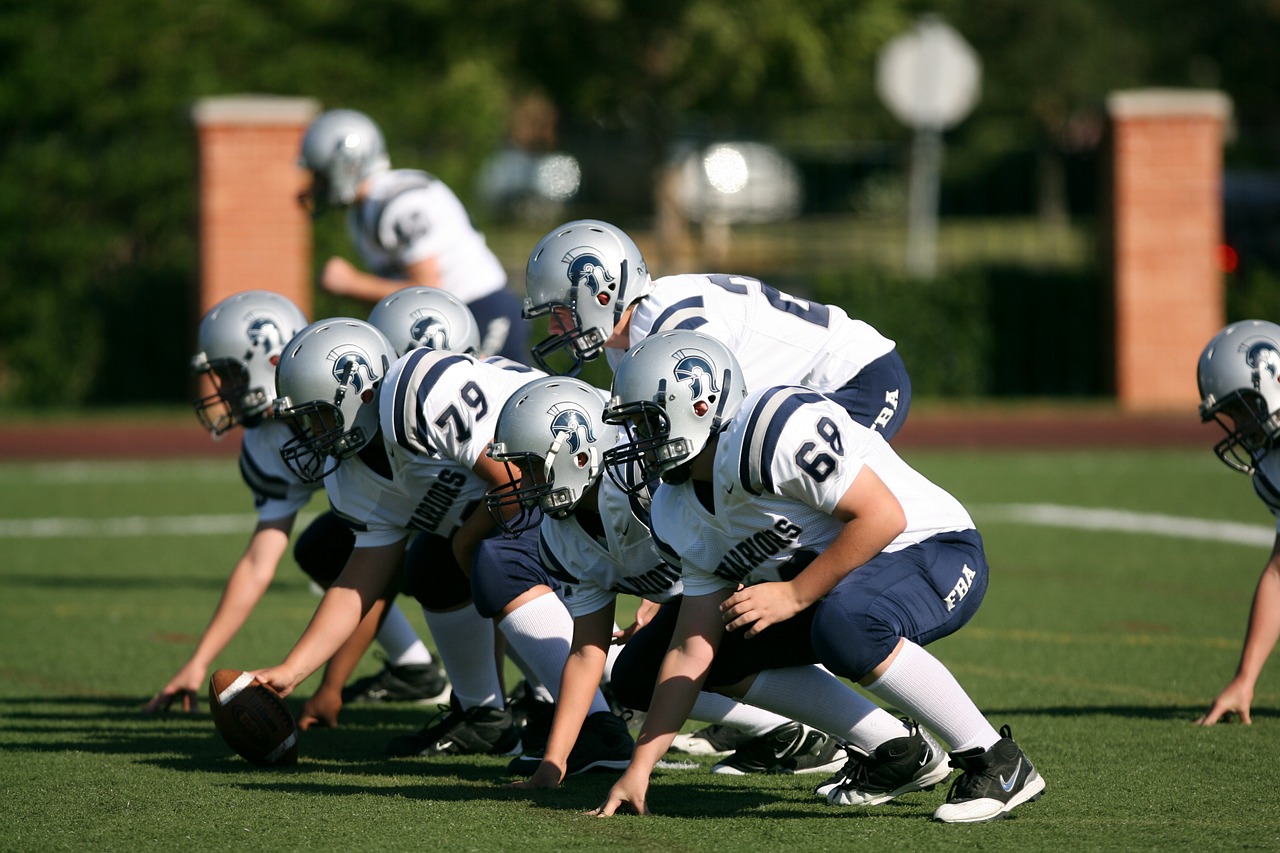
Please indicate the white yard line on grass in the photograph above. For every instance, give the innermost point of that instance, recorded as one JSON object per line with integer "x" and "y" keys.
{"x": 1126, "y": 521}
{"x": 176, "y": 525}
{"x": 1045, "y": 515}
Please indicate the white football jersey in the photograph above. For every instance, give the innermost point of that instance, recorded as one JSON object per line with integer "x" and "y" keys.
{"x": 410, "y": 215}
{"x": 424, "y": 493}
{"x": 783, "y": 464}
{"x": 445, "y": 404}
{"x": 593, "y": 572}
{"x": 778, "y": 339}
{"x": 277, "y": 491}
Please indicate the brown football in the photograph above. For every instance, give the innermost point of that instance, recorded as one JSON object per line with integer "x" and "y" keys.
{"x": 253, "y": 719}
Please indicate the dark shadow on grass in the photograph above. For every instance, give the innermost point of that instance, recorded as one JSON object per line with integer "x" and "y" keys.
{"x": 1140, "y": 712}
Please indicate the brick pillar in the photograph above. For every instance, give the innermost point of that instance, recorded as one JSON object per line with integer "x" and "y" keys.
{"x": 253, "y": 233}
{"x": 1169, "y": 297}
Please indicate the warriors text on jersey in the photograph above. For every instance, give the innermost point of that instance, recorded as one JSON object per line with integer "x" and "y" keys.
{"x": 781, "y": 467}
{"x": 277, "y": 491}
{"x": 410, "y": 215}
{"x": 776, "y": 338}
{"x": 593, "y": 572}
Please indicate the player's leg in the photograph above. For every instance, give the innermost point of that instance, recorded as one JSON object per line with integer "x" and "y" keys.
{"x": 873, "y": 628}
{"x": 409, "y": 673}
{"x": 755, "y": 739}
{"x": 476, "y": 720}
{"x": 503, "y": 329}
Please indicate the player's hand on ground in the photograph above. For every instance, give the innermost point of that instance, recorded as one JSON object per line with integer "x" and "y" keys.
{"x": 321, "y": 710}
{"x": 183, "y": 690}
{"x": 1231, "y": 704}
{"x": 547, "y": 776}
{"x": 338, "y": 276}
{"x": 625, "y": 797}
{"x": 759, "y": 607}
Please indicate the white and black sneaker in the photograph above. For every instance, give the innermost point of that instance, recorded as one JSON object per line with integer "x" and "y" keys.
{"x": 991, "y": 783}
{"x": 901, "y": 765}
{"x": 604, "y": 743}
{"x": 422, "y": 683}
{"x": 475, "y": 731}
{"x": 789, "y": 748}
{"x": 717, "y": 739}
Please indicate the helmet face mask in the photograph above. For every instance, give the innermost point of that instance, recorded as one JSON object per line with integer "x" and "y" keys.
{"x": 551, "y": 437}
{"x": 328, "y": 380}
{"x": 1239, "y": 381}
{"x": 585, "y": 274}
{"x": 340, "y": 148}
{"x": 673, "y": 392}
{"x": 240, "y": 341}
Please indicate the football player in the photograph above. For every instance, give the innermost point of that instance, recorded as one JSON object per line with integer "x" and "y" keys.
{"x": 590, "y": 279}
{"x": 802, "y": 538}
{"x": 407, "y": 226}
{"x": 1239, "y": 381}
{"x": 402, "y": 447}
{"x": 594, "y": 539}
{"x": 240, "y": 340}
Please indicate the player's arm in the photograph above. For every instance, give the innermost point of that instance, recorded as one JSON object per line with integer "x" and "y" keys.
{"x": 343, "y": 278}
{"x": 684, "y": 668}
{"x": 1259, "y": 641}
{"x": 364, "y": 580}
{"x": 579, "y": 681}
{"x": 479, "y": 525}
{"x": 248, "y": 582}
{"x": 872, "y": 518}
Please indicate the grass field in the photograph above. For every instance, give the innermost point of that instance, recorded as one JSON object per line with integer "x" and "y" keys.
{"x": 1103, "y": 634}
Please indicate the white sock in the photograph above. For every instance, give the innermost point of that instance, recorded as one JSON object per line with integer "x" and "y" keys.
{"x": 539, "y": 631}
{"x": 464, "y": 641}
{"x": 920, "y": 685}
{"x": 817, "y": 698}
{"x": 399, "y": 641}
{"x": 715, "y": 708}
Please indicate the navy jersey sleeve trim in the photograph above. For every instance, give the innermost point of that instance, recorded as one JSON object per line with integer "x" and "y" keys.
{"x": 686, "y": 314}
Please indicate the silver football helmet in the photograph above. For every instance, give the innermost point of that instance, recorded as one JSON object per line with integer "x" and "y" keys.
{"x": 426, "y": 317}
{"x": 592, "y": 271}
{"x": 551, "y": 435}
{"x": 1239, "y": 379}
{"x": 240, "y": 340}
{"x": 328, "y": 381}
{"x": 673, "y": 392}
{"x": 340, "y": 148}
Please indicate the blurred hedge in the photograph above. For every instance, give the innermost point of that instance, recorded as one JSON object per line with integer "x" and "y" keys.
{"x": 987, "y": 332}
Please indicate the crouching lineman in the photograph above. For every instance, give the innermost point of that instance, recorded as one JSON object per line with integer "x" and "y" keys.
{"x": 240, "y": 340}
{"x": 594, "y": 539}
{"x": 846, "y": 556}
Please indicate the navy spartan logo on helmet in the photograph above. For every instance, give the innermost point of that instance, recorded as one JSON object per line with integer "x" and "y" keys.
{"x": 265, "y": 336}
{"x": 694, "y": 367}
{"x": 1261, "y": 355}
{"x": 586, "y": 268}
{"x": 429, "y": 330}
{"x": 570, "y": 426}
{"x": 352, "y": 366}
